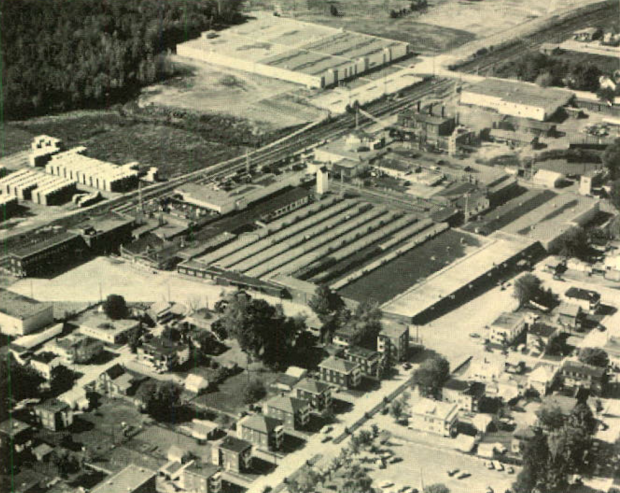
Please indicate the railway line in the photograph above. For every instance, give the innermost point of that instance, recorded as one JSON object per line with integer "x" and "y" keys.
{"x": 327, "y": 129}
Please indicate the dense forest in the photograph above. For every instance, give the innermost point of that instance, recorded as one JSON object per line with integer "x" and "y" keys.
{"x": 67, "y": 54}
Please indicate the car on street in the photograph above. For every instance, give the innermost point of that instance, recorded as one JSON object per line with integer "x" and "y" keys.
{"x": 464, "y": 475}
{"x": 407, "y": 366}
{"x": 395, "y": 459}
{"x": 386, "y": 484}
{"x": 510, "y": 470}
{"x": 452, "y": 472}
{"x": 474, "y": 335}
{"x": 489, "y": 489}
{"x": 490, "y": 465}
{"x": 326, "y": 429}
{"x": 325, "y": 438}
{"x": 498, "y": 465}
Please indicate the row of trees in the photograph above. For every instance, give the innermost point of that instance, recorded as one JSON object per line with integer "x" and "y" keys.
{"x": 549, "y": 71}
{"x": 60, "y": 55}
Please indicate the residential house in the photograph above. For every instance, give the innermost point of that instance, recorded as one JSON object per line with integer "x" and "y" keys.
{"x": 317, "y": 393}
{"x": 132, "y": 479}
{"x": 163, "y": 354}
{"x": 77, "y": 348}
{"x": 507, "y": 328}
{"x": 588, "y": 300}
{"x": 195, "y": 383}
{"x": 294, "y": 413}
{"x": 99, "y": 326}
{"x": 15, "y": 436}
{"x": 232, "y": 454}
{"x": 287, "y": 381}
{"x": 264, "y": 432}
{"x": 340, "y": 372}
{"x": 343, "y": 337}
{"x": 576, "y": 374}
{"x": 612, "y": 348}
{"x": 42, "y": 452}
{"x": 161, "y": 312}
{"x": 393, "y": 340}
{"x": 116, "y": 381}
{"x": 486, "y": 369}
{"x": 569, "y": 316}
{"x": 178, "y": 454}
{"x": 466, "y": 395}
{"x": 44, "y": 363}
{"x": 54, "y": 415}
{"x": 433, "y": 416}
{"x": 369, "y": 361}
{"x": 203, "y": 430}
{"x": 201, "y": 478}
{"x": 76, "y": 398}
{"x": 538, "y": 336}
{"x": 520, "y": 437}
{"x": 542, "y": 378}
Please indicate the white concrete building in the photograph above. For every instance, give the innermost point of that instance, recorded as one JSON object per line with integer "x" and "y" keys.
{"x": 548, "y": 179}
{"x": 322, "y": 181}
{"x": 507, "y": 327}
{"x": 433, "y": 416}
{"x": 20, "y": 315}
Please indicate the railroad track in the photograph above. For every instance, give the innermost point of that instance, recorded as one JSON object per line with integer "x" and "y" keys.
{"x": 331, "y": 129}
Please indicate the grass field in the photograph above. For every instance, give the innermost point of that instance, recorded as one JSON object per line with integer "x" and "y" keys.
{"x": 393, "y": 278}
{"x": 118, "y": 139}
{"x": 13, "y": 139}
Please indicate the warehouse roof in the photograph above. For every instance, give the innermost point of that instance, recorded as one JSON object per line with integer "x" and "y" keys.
{"x": 127, "y": 480}
{"x": 522, "y": 93}
{"x": 41, "y": 246}
{"x": 18, "y": 306}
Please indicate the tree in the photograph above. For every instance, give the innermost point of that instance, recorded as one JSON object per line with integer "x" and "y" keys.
{"x": 550, "y": 417}
{"x": 356, "y": 480}
{"x": 254, "y": 391}
{"x": 305, "y": 481}
{"x": 527, "y": 288}
{"x": 262, "y": 330}
{"x": 535, "y": 465}
{"x": 614, "y": 194}
{"x": 431, "y": 375}
{"x": 396, "y": 409}
{"x": 573, "y": 244}
{"x": 365, "y": 325}
{"x": 171, "y": 334}
{"x": 328, "y": 306}
{"x": 160, "y": 399}
{"x": 207, "y": 342}
{"x": 436, "y": 488}
{"x": 115, "y": 307}
{"x": 594, "y": 356}
{"x": 606, "y": 95}
{"x": 611, "y": 159}
{"x": 333, "y": 10}
{"x": 17, "y": 382}
{"x": 545, "y": 79}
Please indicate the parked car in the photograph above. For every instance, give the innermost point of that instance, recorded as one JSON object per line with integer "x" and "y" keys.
{"x": 452, "y": 472}
{"x": 386, "y": 484}
{"x": 326, "y": 429}
{"x": 510, "y": 470}
{"x": 464, "y": 475}
{"x": 326, "y": 438}
{"x": 498, "y": 465}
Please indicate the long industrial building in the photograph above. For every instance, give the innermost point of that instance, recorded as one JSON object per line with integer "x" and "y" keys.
{"x": 513, "y": 98}
{"x": 300, "y": 52}
{"x": 40, "y": 188}
{"x": 73, "y": 165}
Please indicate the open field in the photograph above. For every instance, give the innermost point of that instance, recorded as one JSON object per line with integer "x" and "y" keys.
{"x": 118, "y": 139}
{"x": 13, "y": 139}
{"x": 395, "y": 277}
{"x": 268, "y": 104}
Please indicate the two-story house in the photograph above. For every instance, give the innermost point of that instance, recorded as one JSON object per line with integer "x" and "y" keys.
{"x": 393, "y": 340}
{"x": 264, "y": 432}
{"x": 576, "y": 374}
{"x": 507, "y": 328}
{"x": 232, "y": 454}
{"x": 199, "y": 477}
{"x": 15, "y": 437}
{"x": 569, "y": 316}
{"x": 294, "y": 413}
{"x": 343, "y": 337}
{"x": 538, "y": 336}
{"x": 116, "y": 381}
{"x": 77, "y": 348}
{"x": 466, "y": 395}
{"x": 588, "y": 300}
{"x": 368, "y": 360}
{"x": 340, "y": 372}
{"x": 44, "y": 363}
{"x": 317, "y": 393}
{"x": 433, "y": 416}
{"x": 54, "y": 415}
{"x": 163, "y": 354}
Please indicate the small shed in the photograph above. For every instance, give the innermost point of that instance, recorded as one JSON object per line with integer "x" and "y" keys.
{"x": 196, "y": 383}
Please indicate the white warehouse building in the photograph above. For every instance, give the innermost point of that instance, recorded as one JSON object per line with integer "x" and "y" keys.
{"x": 520, "y": 99}
{"x": 20, "y": 315}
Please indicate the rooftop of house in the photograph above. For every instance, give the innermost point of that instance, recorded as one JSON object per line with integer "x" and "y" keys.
{"x": 338, "y": 365}
{"x": 508, "y": 320}
{"x": 45, "y": 357}
{"x": 312, "y": 386}
{"x": 100, "y": 321}
{"x": 260, "y": 423}
{"x": 569, "y": 310}
{"x": 18, "y": 306}
{"x": 76, "y": 340}
{"x": 53, "y": 405}
{"x": 201, "y": 469}
{"x": 541, "y": 330}
{"x": 235, "y": 444}
{"x": 287, "y": 404}
{"x": 393, "y": 330}
{"x": 125, "y": 481}
{"x": 476, "y": 389}
{"x": 13, "y": 427}
{"x": 429, "y": 407}
{"x": 362, "y": 352}
{"x": 42, "y": 449}
{"x": 583, "y": 294}
{"x": 583, "y": 369}
{"x": 162, "y": 345}
{"x": 612, "y": 346}
{"x": 564, "y": 403}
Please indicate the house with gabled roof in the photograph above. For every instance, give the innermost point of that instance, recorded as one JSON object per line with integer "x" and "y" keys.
{"x": 340, "y": 372}
{"x": 264, "y": 432}
{"x": 317, "y": 393}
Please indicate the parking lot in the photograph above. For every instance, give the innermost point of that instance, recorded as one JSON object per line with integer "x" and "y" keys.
{"x": 424, "y": 465}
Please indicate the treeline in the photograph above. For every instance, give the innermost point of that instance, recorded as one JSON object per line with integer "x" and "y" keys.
{"x": 550, "y": 71}
{"x": 60, "y": 55}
